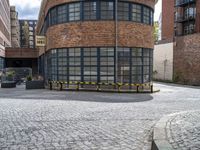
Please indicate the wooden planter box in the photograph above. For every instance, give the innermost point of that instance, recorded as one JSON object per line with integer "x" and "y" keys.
{"x": 34, "y": 85}
{"x": 8, "y": 84}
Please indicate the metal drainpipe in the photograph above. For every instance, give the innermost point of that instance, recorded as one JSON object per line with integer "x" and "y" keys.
{"x": 44, "y": 59}
{"x": 116, "y": 39}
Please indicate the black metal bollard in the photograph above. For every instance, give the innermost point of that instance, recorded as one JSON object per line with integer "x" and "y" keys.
{"x": 50, "y": 85}
{"x": 119, "y": 88}
{"x": 151, "y": 88}
{"x": 138, "y": 88}
{"x": 98, "y": 86}
{"x": 78, "y": 86}
{"x": 61, "y": 86}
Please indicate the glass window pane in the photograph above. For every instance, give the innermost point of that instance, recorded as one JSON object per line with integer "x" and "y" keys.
{"x": 136, "y": 13}
{"x": 123, "y": 11}
{"x": 107, "y": 10}
{"x": 90, "y": 10}
{"x": 74, "y": 11}
{"x": 62, "y": 13}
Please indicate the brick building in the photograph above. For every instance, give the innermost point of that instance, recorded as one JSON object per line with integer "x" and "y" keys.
{"x": 167, "y": 25}
{"x": 98, "y": 41}
{"x": 187, "y": 42}
{"x": 11, "y": 55}
{"x": 25, "y": 55}
{"x": 5, "y": 35}
{"x": 181, "y": 36}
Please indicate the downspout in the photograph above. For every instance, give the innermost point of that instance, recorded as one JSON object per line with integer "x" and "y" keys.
{"x": 116, "y": 40}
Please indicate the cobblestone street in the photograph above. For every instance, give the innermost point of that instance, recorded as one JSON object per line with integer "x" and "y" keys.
{"x": 43, "y": 119}
{"x": 183, "y": 131}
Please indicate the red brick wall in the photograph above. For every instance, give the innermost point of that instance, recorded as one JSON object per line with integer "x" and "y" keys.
{"x": 187, "y": 59}
{"x": 198, "y": 16}
{"x": 21, "y": 53}
{"x": 51, "y": 3}
{"x": 96, "y": 33}
{"x": 167, "y": 19}
{"x": 99, "y": 33}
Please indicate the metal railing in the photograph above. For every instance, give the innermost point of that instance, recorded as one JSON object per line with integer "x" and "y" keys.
{"x": 183, "y": 18}
{"x": 184, "y": 2}
{"x": 117, "y": 87}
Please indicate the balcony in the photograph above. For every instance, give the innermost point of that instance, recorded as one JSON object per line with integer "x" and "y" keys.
{"x": 182, "y": 3}
{"x": 182, "y": 33}
{"x": 182, "y": 19}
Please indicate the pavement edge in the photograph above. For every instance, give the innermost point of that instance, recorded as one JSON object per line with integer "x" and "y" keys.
{"x": 160, "y": 141}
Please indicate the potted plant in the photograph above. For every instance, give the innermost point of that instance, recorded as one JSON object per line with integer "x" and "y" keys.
{"x": 29, "y": 78}
{"x": 10, "y": 76}
{"x": 8, "y": 81}
{"x": 34, "y": 83}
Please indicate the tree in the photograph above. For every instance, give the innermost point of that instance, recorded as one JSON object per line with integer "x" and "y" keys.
{"x": 156, "y": 31}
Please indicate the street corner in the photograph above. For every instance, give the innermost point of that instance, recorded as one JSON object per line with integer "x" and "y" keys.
{"x": 177, "y": 131}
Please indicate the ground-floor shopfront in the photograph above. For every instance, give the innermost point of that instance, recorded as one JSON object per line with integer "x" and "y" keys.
{"x": 102, "y": 64}
{"x": 22, "y": 63}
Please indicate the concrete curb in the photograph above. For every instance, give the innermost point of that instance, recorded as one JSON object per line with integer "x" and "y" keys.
{"x": 160, "y": 141}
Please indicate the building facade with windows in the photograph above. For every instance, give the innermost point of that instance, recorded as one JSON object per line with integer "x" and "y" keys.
{"x": 181, "y": 28}
{"x": 5, "y": 35}
{"x": 187, "y": 38}
{"x": 27, "y": 33}
{"x": 97, "y": 41}
{"x": 15, "y": 29}
{"x": 185, "y": 17}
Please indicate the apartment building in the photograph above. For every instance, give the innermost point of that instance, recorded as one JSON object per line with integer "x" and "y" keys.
{"x": 181, "y": 35}
{"x": 187, "y": 42}
{"x": 5, "y": 33}
{"x": 27, "y": 33}
{"x": 15, "y": 28}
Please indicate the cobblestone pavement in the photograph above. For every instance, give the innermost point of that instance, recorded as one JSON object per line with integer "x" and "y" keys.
{"x": 183, "y": 131}
{"x": 42, "y": 119}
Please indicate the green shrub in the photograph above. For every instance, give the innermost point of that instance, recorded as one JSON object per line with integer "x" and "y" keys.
{"x": 29, "y": 78}
{"x": 10, "y": 75}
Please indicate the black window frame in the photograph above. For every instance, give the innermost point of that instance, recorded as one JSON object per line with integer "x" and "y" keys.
{"x": 63, "y": 17}
{"x": 90, "y": 13}
{"x": 76, "y": 13}
{"x": 52, "y": 17}
{"x": 104, "y": 13}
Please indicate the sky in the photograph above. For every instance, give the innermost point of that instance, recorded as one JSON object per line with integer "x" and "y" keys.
{"x": 29, "y": 9}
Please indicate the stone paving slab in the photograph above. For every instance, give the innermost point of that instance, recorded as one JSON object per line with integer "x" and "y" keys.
{"x": 178, "y": 131}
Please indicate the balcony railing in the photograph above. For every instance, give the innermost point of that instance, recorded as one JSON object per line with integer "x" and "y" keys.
{"x": 180, "y": 18}
{"x": 184, "y": 2}
{"x": 182, "y": 33}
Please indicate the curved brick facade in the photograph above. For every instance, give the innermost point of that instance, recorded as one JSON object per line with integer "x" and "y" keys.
{"x": 47, "y": 4}
{"x": 53, "y": 3}
{"x": 85, "y": 42}
{"x": 95, "y": 33}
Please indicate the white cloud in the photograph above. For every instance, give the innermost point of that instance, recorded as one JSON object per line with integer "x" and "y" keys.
{"x": 27, "y": 9}
{"x": 158, "y": 9}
